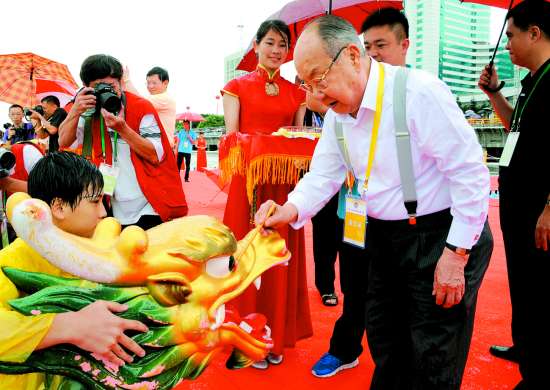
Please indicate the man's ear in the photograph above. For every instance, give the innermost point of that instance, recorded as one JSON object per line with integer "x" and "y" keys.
{"x": 354, "y": 54}
{"x": 534, "y": 33}
{"x": 405, "y": 43}
{"x": 58, "y": 208}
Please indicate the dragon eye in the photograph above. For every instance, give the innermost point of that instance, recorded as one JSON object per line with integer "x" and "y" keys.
{"x": 220, "y": 267}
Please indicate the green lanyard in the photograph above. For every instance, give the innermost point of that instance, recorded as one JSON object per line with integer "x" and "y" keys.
{"x": 115, "y": 146}
{"x": 517, "y": 118}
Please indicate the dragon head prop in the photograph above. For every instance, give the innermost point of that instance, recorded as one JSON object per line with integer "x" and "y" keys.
{"x": 176, "y": 278}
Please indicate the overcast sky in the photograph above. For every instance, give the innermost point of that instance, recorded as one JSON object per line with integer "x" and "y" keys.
{"x": 189, "y": 38}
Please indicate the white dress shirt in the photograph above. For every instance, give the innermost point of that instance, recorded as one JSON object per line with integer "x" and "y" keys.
{"x": 128, "y": 201}
{"x": 447, "y": 158}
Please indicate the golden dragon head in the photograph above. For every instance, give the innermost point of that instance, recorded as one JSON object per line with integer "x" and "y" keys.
{"x": 192, "y": 266}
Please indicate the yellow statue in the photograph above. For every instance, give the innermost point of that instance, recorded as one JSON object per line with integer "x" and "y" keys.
{"x": 175, "y": 277}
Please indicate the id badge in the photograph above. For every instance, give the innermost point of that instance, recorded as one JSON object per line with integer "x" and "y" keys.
{"x": 110, "y": 175}
{"x": 508, "y": 150}
{"x": 185, "y": 144}
{"x": 355, "y": 221}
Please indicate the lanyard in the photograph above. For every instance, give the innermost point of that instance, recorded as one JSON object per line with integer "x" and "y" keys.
{"x": 517, "y": 118}
{"x": 350, "y": 177}
{"x": 102, "y": 128}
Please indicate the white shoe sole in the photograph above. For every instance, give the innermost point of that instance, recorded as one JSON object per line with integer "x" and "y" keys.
{"x": 355, "y": 363}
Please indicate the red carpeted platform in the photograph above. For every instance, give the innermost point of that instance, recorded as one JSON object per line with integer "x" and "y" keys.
{"x": 482, "y": 371}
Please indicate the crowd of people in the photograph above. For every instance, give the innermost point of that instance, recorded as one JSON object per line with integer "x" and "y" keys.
{"x": 406, "y": 219}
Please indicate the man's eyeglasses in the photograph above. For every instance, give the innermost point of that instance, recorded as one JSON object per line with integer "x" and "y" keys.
{"x": 320, "y": 82}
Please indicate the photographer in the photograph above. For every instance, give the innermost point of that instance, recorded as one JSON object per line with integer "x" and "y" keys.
{"x": 48, "y": 121}
{"x": 127, "y": 142}
{"x": 18, "y": 130}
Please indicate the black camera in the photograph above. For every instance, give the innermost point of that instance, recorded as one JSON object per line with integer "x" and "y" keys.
{"x": 7, "y": 162}
{"x": 107, "y": 98}
{"x": 7, "y": 125}
{"x": 39, "y": 109}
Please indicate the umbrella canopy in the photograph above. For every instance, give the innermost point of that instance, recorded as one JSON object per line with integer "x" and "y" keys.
{"x": 19, "y": 74}
{"x": 190, "y": 116}
{"x": 61, "y": 89}
{"x": 299, "y": 12}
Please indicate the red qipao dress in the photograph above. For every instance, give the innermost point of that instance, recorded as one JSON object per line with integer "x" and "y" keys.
{"x": 201, "y": 154}
{"x": 283, "y": 295}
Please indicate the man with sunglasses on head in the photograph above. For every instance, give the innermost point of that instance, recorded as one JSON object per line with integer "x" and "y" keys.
{"x": 427, "y": 257}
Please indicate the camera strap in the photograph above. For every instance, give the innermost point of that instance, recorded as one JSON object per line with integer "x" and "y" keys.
{"x": 87, "y": 141}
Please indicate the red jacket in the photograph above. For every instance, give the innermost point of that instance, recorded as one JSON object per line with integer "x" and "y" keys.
{"x": 20, "y": 171}
{"x": 161, "y": 183}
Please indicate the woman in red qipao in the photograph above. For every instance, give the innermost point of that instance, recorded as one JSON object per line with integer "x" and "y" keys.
{"x": 201, "y": 152}
{"x": 260, "y": 103}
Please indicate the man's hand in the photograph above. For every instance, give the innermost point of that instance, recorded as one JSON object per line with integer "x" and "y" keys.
{"x": 488, "y": 78}
{"x": 97, "y": 330}
{"x": 542, "y": 230}
{"x": 113, "y": 121}
{"x": 84, "y": 101}
{"x": 449, "y": 283}
{"x": 36, "y": 115}
{"x": 281, "y": 215}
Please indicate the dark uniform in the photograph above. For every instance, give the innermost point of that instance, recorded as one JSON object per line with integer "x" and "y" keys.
{"x": 524, "y": 188}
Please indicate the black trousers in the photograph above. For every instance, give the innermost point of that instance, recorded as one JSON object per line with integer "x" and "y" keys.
{"x": 349, "y": 329}
{"x": 528, "y": 270}
{"x": 147, "y": 222}
{"x": 415, "y": 343}
{"x": 187, "y": 157}
{"x": 327, "y": 236}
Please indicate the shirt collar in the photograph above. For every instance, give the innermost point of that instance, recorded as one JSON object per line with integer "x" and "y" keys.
{"x": 368, "y": 102}
{"x": 264, "y": 73}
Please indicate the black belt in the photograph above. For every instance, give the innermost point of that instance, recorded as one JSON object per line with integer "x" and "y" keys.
{"x": 439, "y": 218}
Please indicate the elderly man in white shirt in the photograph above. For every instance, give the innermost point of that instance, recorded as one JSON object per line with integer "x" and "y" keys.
{"x": 424, "y": 277}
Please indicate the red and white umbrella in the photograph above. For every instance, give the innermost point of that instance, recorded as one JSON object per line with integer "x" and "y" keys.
{"x": 298, "y": 13}
{"x": 190, "y": 117}
{"x": 63, "y": 90}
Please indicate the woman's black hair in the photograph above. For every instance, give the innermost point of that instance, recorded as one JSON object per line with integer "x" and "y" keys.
{"x": 99, "y": 66}
{"x": 276, "y": 25}
{"x": 66, "y": 176}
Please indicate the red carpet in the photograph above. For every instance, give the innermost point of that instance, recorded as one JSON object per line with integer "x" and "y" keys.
{"x": 482, "y": 371}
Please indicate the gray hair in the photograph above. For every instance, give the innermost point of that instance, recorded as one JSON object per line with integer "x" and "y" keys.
{"x": 336, "y": 33}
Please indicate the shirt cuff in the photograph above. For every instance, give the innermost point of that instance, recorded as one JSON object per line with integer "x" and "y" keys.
{"x": 299, "y": 201}
{"x": 463, "y": 235}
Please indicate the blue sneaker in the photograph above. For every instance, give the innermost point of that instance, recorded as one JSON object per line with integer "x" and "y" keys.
{"x": 329, "y": 365}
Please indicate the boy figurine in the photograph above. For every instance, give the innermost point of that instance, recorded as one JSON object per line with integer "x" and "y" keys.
{"x": 73, "y": 187}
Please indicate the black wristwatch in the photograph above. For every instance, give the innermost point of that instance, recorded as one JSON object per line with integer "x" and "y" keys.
{"x": 457, "y": 250}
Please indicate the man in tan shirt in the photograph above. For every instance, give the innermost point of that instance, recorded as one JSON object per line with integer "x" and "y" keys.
{"x": 157, "y": 85}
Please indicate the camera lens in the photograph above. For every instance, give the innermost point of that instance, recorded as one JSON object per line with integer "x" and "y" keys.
{"x": 110, "y": 102}
{"x": 7, "y": 159}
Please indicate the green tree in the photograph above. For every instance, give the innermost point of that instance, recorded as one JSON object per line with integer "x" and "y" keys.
{"x": 212, "y": 120}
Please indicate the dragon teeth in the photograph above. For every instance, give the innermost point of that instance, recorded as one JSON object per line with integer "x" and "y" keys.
{"x": 258, "y": 282}
{"x": 245, "y": 326}
{"x": 220, "y": 316}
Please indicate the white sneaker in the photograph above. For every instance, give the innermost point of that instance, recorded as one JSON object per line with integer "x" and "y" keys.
{"x": 260, "y": 364}
{"x": 274, "y": 359}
